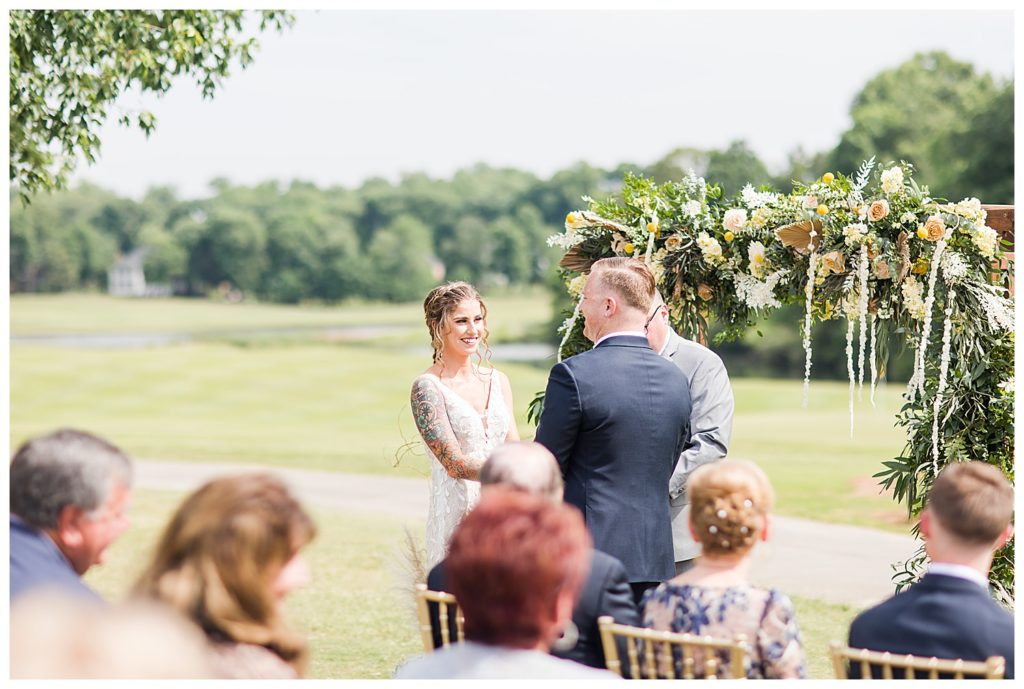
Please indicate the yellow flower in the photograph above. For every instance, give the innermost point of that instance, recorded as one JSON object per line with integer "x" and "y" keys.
{"x": 652, "y": 227}
{"x": 728, "y": 236}
{"x": 628, "y": 248}
{"x": 920, "y": 266}
{"x": 922, "y": 233}
{"x": 827, "y": 178}
{"x": 570, "y": 219}
{"x": 822, "y": 209}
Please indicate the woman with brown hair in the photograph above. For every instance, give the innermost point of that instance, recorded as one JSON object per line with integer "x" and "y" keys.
{"x": 462, "y": 408}
{"x": 731, "y": 503}
{"x": 227, "y": 559}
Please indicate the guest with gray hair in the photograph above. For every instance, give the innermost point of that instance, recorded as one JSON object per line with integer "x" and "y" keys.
{"x": 531, "y": 468}
{"x": 69, "y": 494}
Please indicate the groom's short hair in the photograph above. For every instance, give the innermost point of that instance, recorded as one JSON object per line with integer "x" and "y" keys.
{"x": 972, "y": 501}
{"x": 629, "y": 278}
{"x": 527, "y": 466}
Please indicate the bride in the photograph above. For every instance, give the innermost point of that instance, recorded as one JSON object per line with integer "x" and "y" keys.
{"x": 462, "y": 408}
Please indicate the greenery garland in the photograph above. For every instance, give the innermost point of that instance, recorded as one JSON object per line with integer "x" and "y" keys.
{"x": 875, "y": 249}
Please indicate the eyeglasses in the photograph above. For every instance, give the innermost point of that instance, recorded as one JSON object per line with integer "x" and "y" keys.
{"x": 653, "y": 314}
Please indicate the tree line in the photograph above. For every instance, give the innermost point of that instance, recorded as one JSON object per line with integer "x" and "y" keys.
{"x": 293, "y": 242}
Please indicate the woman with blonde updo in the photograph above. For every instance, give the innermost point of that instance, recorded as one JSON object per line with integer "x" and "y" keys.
{"x": 730, "y": 507}
{"x": 226, "y": 561}
{"x": 462, "y": 408}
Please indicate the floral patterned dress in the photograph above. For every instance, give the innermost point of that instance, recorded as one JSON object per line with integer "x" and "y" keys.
{"x": 765, "y": 616}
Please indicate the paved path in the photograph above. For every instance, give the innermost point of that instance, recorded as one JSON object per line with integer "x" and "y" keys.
{"x": 830, "y": 562}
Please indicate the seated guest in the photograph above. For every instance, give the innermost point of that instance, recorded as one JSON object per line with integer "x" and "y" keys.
{"x": 69, "y": 494}
{"x": 530, "y": 467}
{"x": 228, "y": 558}
{"x": 516, "y": 564}
{"x": 730, "y": 506}
{"x": 59, "y": 635}
{"x": 949, "y": 613}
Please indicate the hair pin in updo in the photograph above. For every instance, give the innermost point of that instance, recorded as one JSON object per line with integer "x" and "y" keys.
{"x": 721, "y": 514}
{"x": 748, "y": 503}
{"x": 744, "y": 529}
{"x": 712, "y": 529}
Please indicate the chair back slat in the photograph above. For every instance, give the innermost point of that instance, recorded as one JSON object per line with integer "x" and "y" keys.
{"x": 656, "y": 652}
{"x": 446, "y": 606}
{"x": 991, "y": 668}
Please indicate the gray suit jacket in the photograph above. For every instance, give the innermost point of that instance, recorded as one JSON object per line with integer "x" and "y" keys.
{"x": 710, "y": 429}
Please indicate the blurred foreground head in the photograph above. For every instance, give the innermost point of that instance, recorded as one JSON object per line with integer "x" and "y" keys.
{"x": 516, "y": 564}
{"x": 227, "y": 559}
{"x": 75, "y": 487}
{"x": 57, "y": 635}
{"x": 969, "y": 513}
{"x": 527, "y": 466}
{"x": 730, "y": 504}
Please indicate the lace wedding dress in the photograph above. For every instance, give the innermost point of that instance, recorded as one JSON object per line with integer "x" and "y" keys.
{"x": 451, "y": 498}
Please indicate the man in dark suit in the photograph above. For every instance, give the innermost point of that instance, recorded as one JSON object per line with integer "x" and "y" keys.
{"x": 69, "y": 496}
{"x": 617, "y": 418}
{"x": 949, "y": 613}
{"x": 531, "y": 468}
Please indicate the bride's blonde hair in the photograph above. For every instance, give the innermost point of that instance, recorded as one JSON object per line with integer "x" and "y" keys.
{"x": 437, "y": 312}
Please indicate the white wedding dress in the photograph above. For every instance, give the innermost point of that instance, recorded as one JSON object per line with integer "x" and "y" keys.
{"x": 451, "y": 498}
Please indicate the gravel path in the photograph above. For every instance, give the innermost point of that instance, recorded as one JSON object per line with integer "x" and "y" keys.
{"x": 829, "y": 562}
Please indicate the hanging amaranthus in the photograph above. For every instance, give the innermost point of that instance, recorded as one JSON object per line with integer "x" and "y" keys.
{"x": 917, "y": 380}
{"x": 862, "y": 314}
{"x": 809, "y": 292}
{"x": 947, "y": 327}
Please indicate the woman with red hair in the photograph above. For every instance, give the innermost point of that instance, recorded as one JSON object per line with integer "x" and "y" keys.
{"x": 516, "y": 565}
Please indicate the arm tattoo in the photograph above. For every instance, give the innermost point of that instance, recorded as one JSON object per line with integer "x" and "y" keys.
{"x": 428, "y": 410}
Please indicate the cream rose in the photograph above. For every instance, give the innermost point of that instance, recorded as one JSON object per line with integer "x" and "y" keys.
{"x": 935, "y": 228}
{"x": 735, "y": 219}
{"x": 878, "y": 210}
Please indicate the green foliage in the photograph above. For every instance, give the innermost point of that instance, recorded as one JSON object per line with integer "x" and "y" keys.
{"x": 68, "y": 68}
{"x": 920, "y": 111}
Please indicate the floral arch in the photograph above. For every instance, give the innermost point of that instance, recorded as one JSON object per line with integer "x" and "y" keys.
{"x": 875, "y": 249}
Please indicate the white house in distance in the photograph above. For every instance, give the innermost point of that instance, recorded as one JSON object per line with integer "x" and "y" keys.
{"x": 126, "y": 278}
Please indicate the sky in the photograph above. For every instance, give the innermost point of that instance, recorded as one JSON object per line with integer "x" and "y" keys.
{"x": 344, "y": 96}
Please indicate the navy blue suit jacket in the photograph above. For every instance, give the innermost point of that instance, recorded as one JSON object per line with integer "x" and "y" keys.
{"x": 605, "y": 592}
{"x": 940, "y": 616}
{"x": 616, "y": 418}
{"x": 37, "y": 562}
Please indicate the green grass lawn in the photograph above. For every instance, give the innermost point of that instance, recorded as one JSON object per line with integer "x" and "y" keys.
{"x": 514, "y": 314}
{"x": 358, "y": 612}
{"x": 345, "y": 408}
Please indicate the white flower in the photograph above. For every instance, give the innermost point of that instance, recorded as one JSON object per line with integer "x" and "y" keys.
{"x": 892, "y": 180}
{"x": 810, "y": 201}
{"x": 692, "y": 208}
{"x": 908, "y": 218}
{"x": 756, "y": 199}
{"x": 971, "y": 209}
{"x": 755, "y": 254}
{"x": 912, "y": 300}
{"x": 854, "y": 233}
{"x": 710, "y": 248}
{"x": 759, "y": 218}
{"x": 986, "y": 239}
{"x": 735, "y": 219}
{"x": 757, "y": 294}
{"x": 953, "y": 267}
{"x": 1007, "y": 386}
{"x": 576, "y": 285}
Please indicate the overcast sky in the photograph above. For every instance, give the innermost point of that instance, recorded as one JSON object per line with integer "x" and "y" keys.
{"x": 346, "y": 95}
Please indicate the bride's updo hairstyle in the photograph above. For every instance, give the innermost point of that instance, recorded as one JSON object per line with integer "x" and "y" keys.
{"x": 729, "y": 504}
{"x": 437, "y": 312}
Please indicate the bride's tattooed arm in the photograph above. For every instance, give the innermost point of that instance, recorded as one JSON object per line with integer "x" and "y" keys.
{"x": 428, "y": 411}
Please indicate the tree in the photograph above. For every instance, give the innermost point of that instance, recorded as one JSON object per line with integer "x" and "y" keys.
{"x": 903, "y": 114}
{"x": 736, "y": 167}
{"x": 68, "y": 68}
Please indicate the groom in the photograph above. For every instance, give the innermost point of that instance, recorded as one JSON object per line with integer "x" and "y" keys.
{"x": 616, "y": 418}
